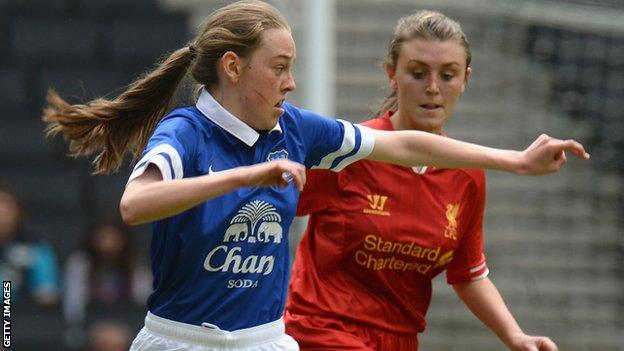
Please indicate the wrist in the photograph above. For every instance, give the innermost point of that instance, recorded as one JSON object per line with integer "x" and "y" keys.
{"x": 242, "y": 177}
{"x": 514, "y": 340}
{"x": 517, "y": 162}
{"x": 509, "y": 161}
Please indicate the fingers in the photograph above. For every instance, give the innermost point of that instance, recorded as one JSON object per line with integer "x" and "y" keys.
{"x": 298, "y": 177}
{"x": 564, "y": 145}
{"x": 545, "y": 344}
{"x": 289, "y": 172}
{"x": 574, "y": 147}
{"x": 300, "y": 180}
{"x": 535, "y": 343}
{"x": 547, "y": 154}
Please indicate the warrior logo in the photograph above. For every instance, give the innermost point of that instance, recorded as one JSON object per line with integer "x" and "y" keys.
{"x": 451, "y": 215}
{"x": 243, "y": 225}
{"x": 376, "y": 204}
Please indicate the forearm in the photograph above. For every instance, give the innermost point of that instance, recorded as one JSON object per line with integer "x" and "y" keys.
{"x": 154, "y": 200}
{"x": 411, "y": 148}
{"x": 486, "y": 303}
{"x": 149, "y": 198}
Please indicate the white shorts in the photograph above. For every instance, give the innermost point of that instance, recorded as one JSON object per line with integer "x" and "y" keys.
{"x": 160, "y": 334}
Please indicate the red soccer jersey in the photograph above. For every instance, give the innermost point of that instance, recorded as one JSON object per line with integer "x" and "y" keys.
{"x": 379, "y": 233}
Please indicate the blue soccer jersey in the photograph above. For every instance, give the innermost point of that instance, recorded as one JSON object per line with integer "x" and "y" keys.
{"x": 226, "y": 261}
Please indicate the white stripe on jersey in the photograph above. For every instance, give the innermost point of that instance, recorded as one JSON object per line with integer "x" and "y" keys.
{"x": 481, "y": 276}
{"x": 366, "y": 147}
{"x": 477, "y": 268}
{"x": 154, "y": 157}
{"x": 348, "y": 144}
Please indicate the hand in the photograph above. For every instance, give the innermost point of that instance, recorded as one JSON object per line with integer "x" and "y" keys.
{"x": 525, "y": 342}
{"x": 547, "y": 155}
{"x": 280, "y": 173}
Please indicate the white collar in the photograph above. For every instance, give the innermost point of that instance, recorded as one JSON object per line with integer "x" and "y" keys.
{"x": 212, "y": 110}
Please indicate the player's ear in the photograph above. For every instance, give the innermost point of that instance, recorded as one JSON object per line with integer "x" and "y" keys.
{"x": 468, "y": 75}
{"x": 391, "y": 73}
{"x": 232, "y": 66}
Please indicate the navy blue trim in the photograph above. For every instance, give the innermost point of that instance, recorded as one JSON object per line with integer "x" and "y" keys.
{"x": 356, "y": 148}
{"x": 168, "y": 159}
{"x": 141, "y": 164}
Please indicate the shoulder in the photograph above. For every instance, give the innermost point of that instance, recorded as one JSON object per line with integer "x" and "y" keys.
{"x": 305, "y": 123}
{"x": 302, "y": 115}
{"x": 290, "y": 109}
{"x": 183, "y": 116}
{"x": 186, "y": 124}
{"x": 475, "y": 177}
{"x": 379, "y": 123}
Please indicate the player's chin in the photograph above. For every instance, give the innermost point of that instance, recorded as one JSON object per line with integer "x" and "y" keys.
{"x": 277, "y": 112}
{"x": 269, "y": 120}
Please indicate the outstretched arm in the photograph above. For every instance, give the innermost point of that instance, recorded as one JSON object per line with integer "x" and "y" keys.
{"x": 411, "y": 148}
{"x": 485, "y": 302}
{"x": 148, "y": 197}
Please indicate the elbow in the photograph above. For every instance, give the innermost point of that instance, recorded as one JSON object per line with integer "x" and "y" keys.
{"x": 127, "y": 211}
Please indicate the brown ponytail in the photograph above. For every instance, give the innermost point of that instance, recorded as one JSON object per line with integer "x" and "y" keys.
{"x": 112, "y": 127}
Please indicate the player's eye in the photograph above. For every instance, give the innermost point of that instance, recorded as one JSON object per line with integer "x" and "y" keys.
{"x": 447, "y": 76}
{"x": 419, "y": 74}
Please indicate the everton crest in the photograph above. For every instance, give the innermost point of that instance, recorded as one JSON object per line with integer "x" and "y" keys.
{"x": 280, "y": 154}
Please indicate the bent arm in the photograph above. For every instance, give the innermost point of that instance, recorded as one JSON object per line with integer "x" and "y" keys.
{"x": 412, "y": 148}
{"x": 148, "y": 197}
{"x": 486, "y": 303}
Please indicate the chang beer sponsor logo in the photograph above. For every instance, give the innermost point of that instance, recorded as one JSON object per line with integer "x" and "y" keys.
{"x": 256, "y": 222}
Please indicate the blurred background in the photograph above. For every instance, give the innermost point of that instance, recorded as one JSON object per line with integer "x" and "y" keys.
{"x": 555, "y": 244}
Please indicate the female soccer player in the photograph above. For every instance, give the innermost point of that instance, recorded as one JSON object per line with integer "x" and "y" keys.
{"x": 220, "y": 180}
{"x": 379, "y": 233}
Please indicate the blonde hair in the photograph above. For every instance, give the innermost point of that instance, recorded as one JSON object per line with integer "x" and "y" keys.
{"x": 425, "y": 24}
{"x": 112, "y": 127}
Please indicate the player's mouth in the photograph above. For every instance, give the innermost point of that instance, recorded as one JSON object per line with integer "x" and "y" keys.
{"x": 430, "y": 107}
{"x": 279, "y": 106}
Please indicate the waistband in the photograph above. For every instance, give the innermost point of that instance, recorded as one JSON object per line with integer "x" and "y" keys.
{"x": 207, "y": 336}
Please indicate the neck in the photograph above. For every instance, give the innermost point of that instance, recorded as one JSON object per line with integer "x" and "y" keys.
{"x": 229, "y": 100}
{"x": 404, "y": 123}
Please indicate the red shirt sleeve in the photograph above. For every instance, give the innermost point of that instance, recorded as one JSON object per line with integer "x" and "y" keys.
{"x": 321, "y": 187}
{"x": 469, "y": 263}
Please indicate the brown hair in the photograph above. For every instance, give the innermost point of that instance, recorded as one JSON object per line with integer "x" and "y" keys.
{"x": 112, "y": 127}
{"x": 428, "y": 25}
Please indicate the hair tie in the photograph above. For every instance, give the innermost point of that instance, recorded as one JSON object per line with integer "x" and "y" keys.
{"x": 193, "y": 51}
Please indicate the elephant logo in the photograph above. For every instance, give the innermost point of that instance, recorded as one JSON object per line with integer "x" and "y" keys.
{"x": 236, "y": 232}
{"x": 268, "y": 230}
{"x": 243, "y": 225}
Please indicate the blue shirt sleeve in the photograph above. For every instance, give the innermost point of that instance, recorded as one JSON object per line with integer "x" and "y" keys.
{"x": 332, "y": 143}
{"x": 44, "y": 278}
{"x": 171, "y": 148}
